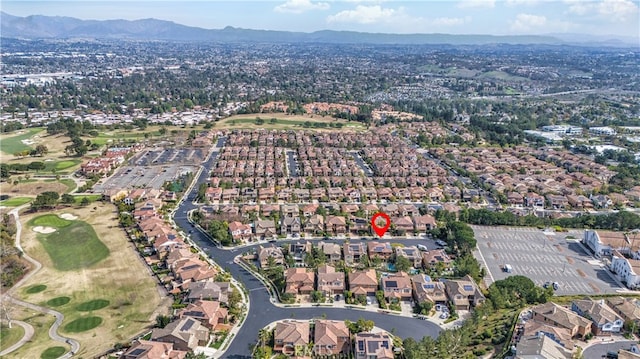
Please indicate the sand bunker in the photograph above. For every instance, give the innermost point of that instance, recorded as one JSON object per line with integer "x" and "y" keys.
{"x": 44, "y": 230}
{"x": 68, "y": 216}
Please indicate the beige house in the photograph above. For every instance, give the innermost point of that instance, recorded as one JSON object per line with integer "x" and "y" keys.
{"x": 264, "y": 253}
{"x": 464, "y": 293}
{"x": 289, "y": 335}
{"x": 363, "y": 282}
{"x": 330, "y": 282}
{"x": 331, "y": 337}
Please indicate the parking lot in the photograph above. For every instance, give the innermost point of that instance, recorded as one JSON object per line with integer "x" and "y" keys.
{"x": 143, "y": 177}
{"x": 543, "y": 257}
{"x": 163, "y": 156}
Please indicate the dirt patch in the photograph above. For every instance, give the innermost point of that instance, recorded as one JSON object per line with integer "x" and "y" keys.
{"x": 490, "y": 244}
{"x": 495, "y": 255}
{"x": 121, "y": 278}
{"x": 44, "y": 230}
{"x": 570, "y": 260}
{"x": 32, "y": 188}
{"x": 594, "y": 287}
{"x": 581, "y": 273}
{"x": 68, "y": 216}
{"x": 558, "y": 247}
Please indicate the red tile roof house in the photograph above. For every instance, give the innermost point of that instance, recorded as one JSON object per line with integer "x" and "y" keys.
{"x": 412, "y": 253}
{"x": 146, "y": 349}
{"x": 207, "y": 312}
{"x": 373, "y": 346}
{"x": 330, "y": 282}
{"x": 289, "y": 335}
{"x": 299, "y": 281}
{"x": 331, "y": 337}
{"x": 402, "y": 225}
{"x": 426, "y": 290}
{"x": 464, "y": 293}
{"x": 380, "y": 249}
{"x": 240, "y": 231}
{"x": 353, "y": 252}
{"x": 185, "y": 334}
{"x": 397, "y": 286}
{"x": 431, "y": 258}
{"x": 364, "y": 282}
{"x": 424, "y": 223}
{"x": 335, "y": 225}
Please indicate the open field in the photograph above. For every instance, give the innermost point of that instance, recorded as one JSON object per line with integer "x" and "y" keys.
{"x": 32, "y": 187}
{"x": 10, "y": 336}
{"x": 283, "y": 121}
{"x": 121, "y": 279}
{"x": 13, "y": 142}
{"x": 15, "y": 201}
{"x": 75, "y": 245}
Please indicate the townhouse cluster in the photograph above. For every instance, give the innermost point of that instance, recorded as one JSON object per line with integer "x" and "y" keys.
{"x": 109, "y": 161}
{"x": 552, "y": 328}
{"x": 301, "y": 166}
{"x": 362, "y": 282}
{"x": 252, "y": 222}
{"x": 538, "y": 178}
{"x": 329, "y": 338}
{"x": 197, "y": 285}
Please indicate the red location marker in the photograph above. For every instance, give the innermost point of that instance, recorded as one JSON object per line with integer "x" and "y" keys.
{"x": 380, "y": 230}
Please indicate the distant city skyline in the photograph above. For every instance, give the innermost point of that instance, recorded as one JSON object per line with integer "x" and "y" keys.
{"x": 492, "y": 17}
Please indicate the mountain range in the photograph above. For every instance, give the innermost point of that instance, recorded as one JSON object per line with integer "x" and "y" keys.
{"x": 61, "y": 27}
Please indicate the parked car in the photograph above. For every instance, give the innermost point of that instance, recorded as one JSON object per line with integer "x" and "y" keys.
{"x": 556, "y": 285}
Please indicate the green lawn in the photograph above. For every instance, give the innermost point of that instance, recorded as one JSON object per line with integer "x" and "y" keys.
{"x": 83, "y": 324}
{"x": 53, "y": 352}
{"x": 92, "y": 305}
{"x": 74, "y": 246}
{"x": 10, "y": 336}
{"x": 50, "y": 220}
{"x": 58, "y": 301}
{"x": 15, "y": 201}
{"x": 35, "y": 289}
{"x": 90, "y": 197}
{"x": 13, "y": 144}
{"x": 61, "y": 165}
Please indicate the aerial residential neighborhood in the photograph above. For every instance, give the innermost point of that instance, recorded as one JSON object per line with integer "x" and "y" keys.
{"x": 384, "y": 180}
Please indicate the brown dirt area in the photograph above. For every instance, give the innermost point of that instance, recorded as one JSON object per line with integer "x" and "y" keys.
{"x": 570, "y": 260}
{"x": 121, "y": 278}
{"x": 31, "y": 189}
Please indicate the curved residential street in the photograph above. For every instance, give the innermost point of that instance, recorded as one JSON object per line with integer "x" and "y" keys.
{"x": 53, "y": 331}
{"x": 262, "y": 311}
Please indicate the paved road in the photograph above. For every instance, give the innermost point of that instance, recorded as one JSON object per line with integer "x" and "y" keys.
{"x": 262, "y": 312}
{"x": 597, "y": 351}
{"x": 53, "y": 331}
{"x": 28, "y": 334}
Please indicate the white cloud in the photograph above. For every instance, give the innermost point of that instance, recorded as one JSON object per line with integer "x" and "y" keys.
{"x": 516, "y": 3}
{"x": 527, "y": 22}
{"x": 300, "y": 6}
{"x": 611, "y": 10}
{"x": 363, "y": 14}
{"x": 451, "y": 21}
{"x": 471, "y": 4}
{"x": 619, "y": 10}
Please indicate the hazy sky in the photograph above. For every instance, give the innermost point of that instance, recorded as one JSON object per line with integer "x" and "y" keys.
{"x": 601, "y": 17}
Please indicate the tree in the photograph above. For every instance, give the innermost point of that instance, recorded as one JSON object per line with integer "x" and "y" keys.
{"x": 45, "y": 200}
{"x": 402, "y": 263}
{"x": 67, "y": 199}
{"x": 42, "y": 150}
{"x": 162, "y": 320}
{"x": 84, "y": 202}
